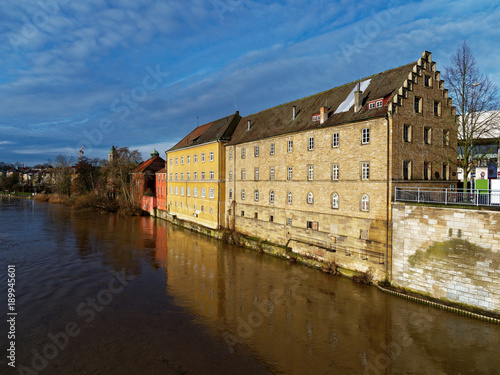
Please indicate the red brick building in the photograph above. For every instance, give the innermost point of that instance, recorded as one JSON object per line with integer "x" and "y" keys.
{"x": 143, "y": 177}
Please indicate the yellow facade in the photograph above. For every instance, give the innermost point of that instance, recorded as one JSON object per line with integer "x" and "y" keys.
{"x": 196, "y": 183}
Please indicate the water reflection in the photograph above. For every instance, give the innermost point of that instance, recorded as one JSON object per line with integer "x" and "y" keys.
{"x": 295, "y": 319}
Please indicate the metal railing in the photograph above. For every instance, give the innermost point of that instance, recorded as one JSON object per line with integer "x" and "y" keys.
{"x": 476, "y": 197}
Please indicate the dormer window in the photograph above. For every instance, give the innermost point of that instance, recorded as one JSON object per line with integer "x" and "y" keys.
{"x": 316, "y": 117}
{"x": 375, "y": 104}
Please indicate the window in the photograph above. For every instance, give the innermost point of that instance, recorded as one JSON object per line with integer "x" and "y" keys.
{"x": 379, "y": 103}
{"x": 188, "y": 159}
{"x": 290, "y": 173}
{"x": 310, "y": 198}
{"x": 288, "y": 221}
{"x": 314, "y": 225}
{"x": 365, "y": 203}
{"x": 195, "y": 175}
{"x": 171, "y": 190}
{"x": 203, "y": 176}
{"x": 170, "y": 176}
{"x": 202, "y": 208}
{"x": 256, "y": 195}
{"x": 407, "y": 133}
{"x": 203, "y": 192}
{"x": 427, "y": 171}
{"x": 176, "y": 160}
{"x": 230, "y": 193}
{"x": 365, "y": 136}
{"x": 437, "y": 108}
{"x": 230, "y": 175}
{"x": 256, "y": 151}
{"x": 195, "y": 158}
{"x": 182, "y": 176}
{"x": 255, "y": 215}
{"x": 271, "y": 196}
{"x": 365, "y": 171}
{"x": 311, "y": 144}
{"x": 211, "y": 175}
{"x": 242, "y": 213}
{"x": 310, "y": 172}
{"x": 406, "y": 170}
{"x": 446, "y": 137}
{"x": 335, "y": 172}
{"x": 189, "y": 176}
{"x": 202, "y": 157}
{"x": 446, "y": 171}
{"x": 170, "y": 161}
{"x": 271, "y": 218}
{"x": 256, "y": 174}
{"x": 427, "y": 81}
{"x": 182, "y": 160}
{"x": 290, "y": 146}
{"x": 182, "y": 190}
{"x": 335, "y": 140}
{"x": 243, "y": 194}
{"x": 271, "y": 173}
{"x": 289, "y": 198}
{"x": 272, "y": 149}
{"x": 316, "y": 117}
{"x": 418, "y": 104}
{"x": 211, "y": 156}
{"x": 211, "y": 193}
{"x": 195, "y": 192}
{"x": 371, "y": 105}
{"x": 427, "y": 136}
{"x": 231, "y": 154}
{"x": 243, "y": 153}
{"x": 242, "y": 174}
{"x": 188, "y": 191}
{"x": 176, "y": 176}
{"x": 335, "y": 200}
{"x": 176, "y": 190}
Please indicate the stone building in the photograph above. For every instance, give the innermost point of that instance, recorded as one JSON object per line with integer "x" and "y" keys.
{"x": 196, "y": 173}
{"x": 318, "y": 174}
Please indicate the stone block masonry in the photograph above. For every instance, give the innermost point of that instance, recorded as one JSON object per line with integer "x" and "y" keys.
{"x": 448, "y": 253}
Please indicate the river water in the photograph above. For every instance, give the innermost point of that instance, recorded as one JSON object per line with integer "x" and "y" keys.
{"x": 104, "y": 294}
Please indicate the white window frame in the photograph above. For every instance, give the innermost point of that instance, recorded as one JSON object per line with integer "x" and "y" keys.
{"x": 310, "y": 172}
{"x": 335, "y": 172}
{"x": 211, "y": 156}
{"x": 365, "y": 170}
{"x": 310, "y": 198}
{"x": 203, "y": 192}
{"x": 271, "y": 196}
{"x": 311, "y": 144}
{"x": 195, "y": 192}
{"x": 256, "y": 151}
{"x": 212, "y": 175}
{"x": 202, "y": 157}
{"x": 211, "y": 193}
{"x": 365, "y": 136}
{"x": 289, "y": 175}
{"x": 256, "y": 195}
{"x": 243, "y": 194}
{"x": 272, "y": 149}
{"x": 289, "y": 198}
{"x": 365, "y": 203}
{"x": 290, "y": 146}
{"x": 335, "y": 139}
{"x": 272, "y": 173}
{"x": 335, "y": 200}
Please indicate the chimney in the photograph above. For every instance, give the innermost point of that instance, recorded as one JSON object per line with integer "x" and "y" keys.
{"x": 357, "y": 99}
{"x": 294, "y": 113}
{"x": 322, "y": 115}
{"x": 249, "y": 124}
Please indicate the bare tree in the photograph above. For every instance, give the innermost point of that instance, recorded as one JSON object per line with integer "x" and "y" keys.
{"x": 476, "y": 101}
{"x": 63, "y": 172}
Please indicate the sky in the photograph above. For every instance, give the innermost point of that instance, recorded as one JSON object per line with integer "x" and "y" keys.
{"x": 143, "y": 74}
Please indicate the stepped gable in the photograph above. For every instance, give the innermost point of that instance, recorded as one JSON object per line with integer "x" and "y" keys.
{"x": 218, "y": 130}
{"x": 279, "y": 120}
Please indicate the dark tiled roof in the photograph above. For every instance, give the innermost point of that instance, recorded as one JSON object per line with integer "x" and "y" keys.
{"x": 150, "y": 165}
{"x": 278, "y": 120}
{"x": 163, "y": 170}
{"x": 221, "y": 129}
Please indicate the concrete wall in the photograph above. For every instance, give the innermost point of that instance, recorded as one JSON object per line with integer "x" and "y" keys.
{"x": 451, "y": 254}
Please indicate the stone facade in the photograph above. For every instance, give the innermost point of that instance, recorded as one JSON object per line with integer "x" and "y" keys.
{"x": 321, "y": 181}
{"x": 451, "y": 254}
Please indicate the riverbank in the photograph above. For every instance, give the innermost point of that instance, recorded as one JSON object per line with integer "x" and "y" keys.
{"x": 331, "y": 268}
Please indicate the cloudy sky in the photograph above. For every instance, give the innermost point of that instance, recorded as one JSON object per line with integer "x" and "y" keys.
{"x": 144, "y": 73}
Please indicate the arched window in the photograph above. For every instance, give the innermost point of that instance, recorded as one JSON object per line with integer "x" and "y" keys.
{"x": 182, "y": 190}
{"x": 271, "y": 196}
{"x": 203, "y": 192}
{"x": 365, "y": 203}
{"x": 176, "y": 190}
{"x": 195, "y": 192}
{"x": 335, "y": 200}
{"x": 211, "y": 193}
{"x": 289, "y": 198}
{"x": 310, "y": 198}
{"x": 188, "y": 191}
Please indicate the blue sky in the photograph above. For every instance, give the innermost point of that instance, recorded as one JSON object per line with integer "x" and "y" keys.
{"x": 144, "y": 73}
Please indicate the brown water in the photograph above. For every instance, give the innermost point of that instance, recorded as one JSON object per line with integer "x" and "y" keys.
{"x": 103, "y": 294}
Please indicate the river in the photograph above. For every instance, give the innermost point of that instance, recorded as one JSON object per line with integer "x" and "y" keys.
{"x": 103, "y": 294}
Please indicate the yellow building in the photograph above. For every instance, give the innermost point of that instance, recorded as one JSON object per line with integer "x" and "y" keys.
{"x": 196, "y": 173}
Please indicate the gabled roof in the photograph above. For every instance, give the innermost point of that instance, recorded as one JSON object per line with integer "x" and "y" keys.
{"x": 163, "y": 170}
{"x": 219, "y": 130}
{"x": 150, "y": 165}
{"x": 278, "y": 120}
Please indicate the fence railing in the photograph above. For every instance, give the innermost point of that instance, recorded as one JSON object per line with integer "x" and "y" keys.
{"x": 477, "y": 197}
